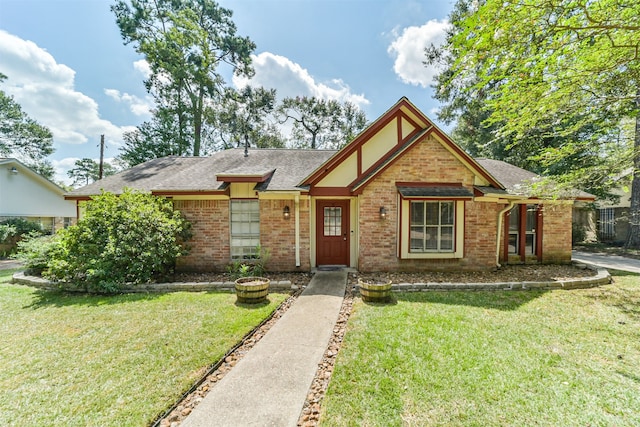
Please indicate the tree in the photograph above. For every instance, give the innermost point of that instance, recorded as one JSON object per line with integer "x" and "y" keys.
{"x": 242, "y": 118}
{"x": 320, "y": 123}
{"x": 24, "y": 138}
{"x": 562, "y": 73}
{"x": 120, "y": 240}
{"x": 184, "y": 42}
{"x": 86, "y": 171}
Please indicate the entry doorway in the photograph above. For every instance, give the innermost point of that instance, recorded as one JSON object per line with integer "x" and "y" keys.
{"x": 332, "y": 232}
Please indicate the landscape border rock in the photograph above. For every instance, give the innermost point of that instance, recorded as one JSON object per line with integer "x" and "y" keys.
{"x": 228, "y": 286}
{"x": 602, "y": 277}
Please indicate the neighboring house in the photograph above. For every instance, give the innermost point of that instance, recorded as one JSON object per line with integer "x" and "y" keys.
{"x": 26, "y": 194}
{"x": 613, "y": 218}
{"x": 401, "y": 196}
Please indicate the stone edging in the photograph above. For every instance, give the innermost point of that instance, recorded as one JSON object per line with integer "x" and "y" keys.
{"x": 39, "y": 282}
{"x": 601, "y": 278}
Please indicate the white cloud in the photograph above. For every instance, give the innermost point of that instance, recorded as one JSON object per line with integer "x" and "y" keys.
{"x": 408, "y": 50}
{"x": 46, "y": 92}
{"x": 139, "y": 107}
{"x": 142, "y": 66}
{"x": 290, "y": 79}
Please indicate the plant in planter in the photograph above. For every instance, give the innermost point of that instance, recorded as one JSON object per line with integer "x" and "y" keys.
{"x": 250, "y": 287}
{"x": 374, "y": 290}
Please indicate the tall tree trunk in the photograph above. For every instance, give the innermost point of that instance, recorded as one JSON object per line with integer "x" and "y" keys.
{"x": 633, "y": 239}
{"x": 197, "y": 122}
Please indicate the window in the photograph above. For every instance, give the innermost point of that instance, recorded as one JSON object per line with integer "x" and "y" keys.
{"x": 519, "y": 231}
{"x": 606, "y": 224}
{"x": 245, "y": 229}
{"x": 333, "y": 221}
{"x": 432, "y": 226}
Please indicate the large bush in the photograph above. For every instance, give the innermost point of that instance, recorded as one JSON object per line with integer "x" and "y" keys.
{"x": 12, "y": 231}
{"x": 126, "y": 239}
{"x": 35, "y": 251}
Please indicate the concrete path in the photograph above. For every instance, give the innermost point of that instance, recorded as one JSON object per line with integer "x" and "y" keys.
{"x": 6, "y": 264}
{"x": 269, "y": 385}
{"x": 616, "y": 262}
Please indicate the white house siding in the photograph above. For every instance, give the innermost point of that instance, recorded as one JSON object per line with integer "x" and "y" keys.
{"x": 24, "y": 193}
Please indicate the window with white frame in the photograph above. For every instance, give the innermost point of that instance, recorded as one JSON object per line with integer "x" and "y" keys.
{"x": 432, "y": 226}
{"x": 245, "y": 229}
{"x": 431, "y": 229}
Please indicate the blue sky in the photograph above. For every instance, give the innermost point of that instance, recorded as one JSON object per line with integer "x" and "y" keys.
{"x": 69, "y": 69}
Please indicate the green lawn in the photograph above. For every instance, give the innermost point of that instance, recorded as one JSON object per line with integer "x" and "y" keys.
{"x": 492, "y": 358}
{"x": 80, "y": 360}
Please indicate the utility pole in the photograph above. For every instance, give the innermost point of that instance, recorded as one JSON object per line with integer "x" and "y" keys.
{"x": 100, "y": 169}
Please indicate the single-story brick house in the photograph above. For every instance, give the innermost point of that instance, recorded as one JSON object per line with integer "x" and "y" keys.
{"x": 401, "y": 196}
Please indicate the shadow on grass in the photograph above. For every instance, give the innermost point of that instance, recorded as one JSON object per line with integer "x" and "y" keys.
{"x": 615, "y": 272}
{"x": 494, "y": 300}
{"x": 59, "y": 298}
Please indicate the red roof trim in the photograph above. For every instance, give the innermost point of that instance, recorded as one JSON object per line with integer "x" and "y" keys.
{"x": 329, "y": 191}
{"x": 391, "y": 114}
{"x": 243, "y": 177}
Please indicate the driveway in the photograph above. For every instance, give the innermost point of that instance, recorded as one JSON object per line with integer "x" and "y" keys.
{"x": 6, "y": 264}
{"x": 615, "y": 262}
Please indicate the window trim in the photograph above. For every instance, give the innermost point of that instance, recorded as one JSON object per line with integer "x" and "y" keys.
{"x": 405, "y": 230}
{"x": 244, "y": 257}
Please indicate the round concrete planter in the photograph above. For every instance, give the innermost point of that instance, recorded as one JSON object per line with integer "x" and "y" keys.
{"x": 375, "y": 292}
{"x": 252, "y": 290}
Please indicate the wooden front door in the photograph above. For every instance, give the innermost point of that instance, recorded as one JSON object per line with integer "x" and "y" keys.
{"x": 332, "y": 232}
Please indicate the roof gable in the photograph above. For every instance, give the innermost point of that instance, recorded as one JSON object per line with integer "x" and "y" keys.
{"x": 378, "y": 146}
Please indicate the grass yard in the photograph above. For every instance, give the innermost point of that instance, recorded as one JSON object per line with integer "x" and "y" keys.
{"x": 492, "y": 358}
{"x": 80, "y": 360}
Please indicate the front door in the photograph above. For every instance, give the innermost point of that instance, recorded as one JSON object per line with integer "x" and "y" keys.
{"x": 332, "y": 232}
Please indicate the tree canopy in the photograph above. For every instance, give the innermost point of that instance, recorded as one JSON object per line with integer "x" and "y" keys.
{"x": 556, "y": 81}
{"x": 87, "y": 170}
{"x": 321, "y": 123}
{"x": 185, "y": 42}
{"x": 24, "y": 138}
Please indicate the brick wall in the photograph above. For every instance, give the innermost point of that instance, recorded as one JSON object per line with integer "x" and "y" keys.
{"x": 427, "y": 162}
{"x": 210, "y": 245}
{"x": 210, "y": 242}
{"x": 277, "y": 234}
{"x": 556, "y": 233}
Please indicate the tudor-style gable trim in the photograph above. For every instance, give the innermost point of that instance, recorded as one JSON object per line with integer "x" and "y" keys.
{"x": 394, "y": 133}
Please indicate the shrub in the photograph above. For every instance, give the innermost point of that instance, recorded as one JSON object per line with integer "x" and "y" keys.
{"x": 35, "y": 251}
{"x": 578, "y": 233}
{"x": 120, "y": 240}
{"x": 13, "y": 229}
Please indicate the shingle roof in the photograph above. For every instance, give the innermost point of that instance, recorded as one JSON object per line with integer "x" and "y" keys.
{"x": 510, "y": 176}
{"x": 199, "y": 174}
{"x": 435, "y": 191}
{"x": 518, "y": 181}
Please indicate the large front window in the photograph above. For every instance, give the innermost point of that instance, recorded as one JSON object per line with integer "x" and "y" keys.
{"x": 432, "y": 226}
{"x": 245, "y": 229}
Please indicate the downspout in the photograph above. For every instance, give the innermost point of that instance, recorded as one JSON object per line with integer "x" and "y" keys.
{"x": 297, "y": 228}
{"x": 499, "y": 230}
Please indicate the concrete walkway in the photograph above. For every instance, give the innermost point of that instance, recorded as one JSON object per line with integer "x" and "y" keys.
{"x": 269, "y": 385}
{"x": 616, "y": 262}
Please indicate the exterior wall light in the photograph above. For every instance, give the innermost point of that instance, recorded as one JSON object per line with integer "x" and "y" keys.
{"x": 383, "y": 212}
{"x": 14, "y": 171}
{"x": 286, "y": 213}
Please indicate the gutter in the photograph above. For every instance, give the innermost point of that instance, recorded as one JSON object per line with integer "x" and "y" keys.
{"x": 499, "y": 230}
{"x": 297, "y": 228}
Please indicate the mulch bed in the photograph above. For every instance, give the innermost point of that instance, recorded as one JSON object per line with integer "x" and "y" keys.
{"x": 509, "y": 273}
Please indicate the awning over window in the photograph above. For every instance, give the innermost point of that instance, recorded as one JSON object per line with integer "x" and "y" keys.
{"x": 436, "y": 192}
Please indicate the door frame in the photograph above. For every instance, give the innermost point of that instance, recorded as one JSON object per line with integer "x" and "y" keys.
{"x": 318, "y": 207}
